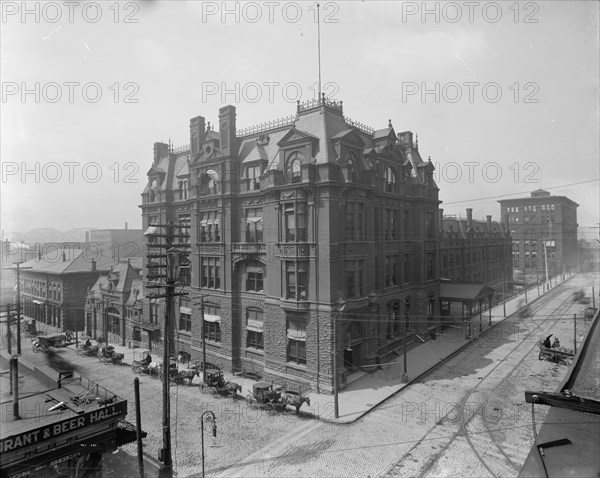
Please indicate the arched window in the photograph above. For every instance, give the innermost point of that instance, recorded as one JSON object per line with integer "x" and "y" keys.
{"x": 390, "y": 180}
{"x": 293, "y": 167}
{"x": 351, "y": 163}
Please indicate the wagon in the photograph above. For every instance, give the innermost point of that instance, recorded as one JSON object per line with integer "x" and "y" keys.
{"x": 90, "y": 350}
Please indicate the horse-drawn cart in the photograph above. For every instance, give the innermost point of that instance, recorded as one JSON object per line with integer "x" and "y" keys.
{"x": 108, "y": 355}
{"x": 43, "y": 343}
{"x": 555, "y": 354}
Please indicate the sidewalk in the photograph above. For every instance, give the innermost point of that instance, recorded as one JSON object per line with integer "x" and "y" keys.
{"x": 367, "y": 390}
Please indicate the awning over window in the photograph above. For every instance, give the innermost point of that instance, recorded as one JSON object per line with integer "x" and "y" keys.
{"x": 151, "y": 230}
{"x": 252, "y": 220}
{"x": 295, "y": 333}
{"x": 38, "y": 302}
{"x": 204, "y": 222}
{"x": 255, "y": 325}
{"x": 212, "y": 318}
{"x": 185, "y": 310}
{"x": 212, "y": 174}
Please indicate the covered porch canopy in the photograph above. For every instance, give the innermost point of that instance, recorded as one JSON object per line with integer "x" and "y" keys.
{"x": 468, "y": 294}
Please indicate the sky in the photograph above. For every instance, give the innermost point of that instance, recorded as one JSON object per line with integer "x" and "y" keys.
{"x": 503, "y": 95}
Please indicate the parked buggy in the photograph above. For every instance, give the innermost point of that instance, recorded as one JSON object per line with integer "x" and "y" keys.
{"x": 265, "y": 396}
{"x": 215, "y": 382}
{"x": 141, "y": 361}
{"x": 88, "y": 348}
{"x": 108, "y": 355}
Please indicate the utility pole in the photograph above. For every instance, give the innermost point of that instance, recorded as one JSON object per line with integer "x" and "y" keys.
{"x": 163, "y": 270}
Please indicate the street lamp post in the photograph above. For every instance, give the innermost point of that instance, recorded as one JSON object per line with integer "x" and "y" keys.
{"x": 404, "y": 340}
{"x": 212, "y": 419}
{"x": 339, "y": 310}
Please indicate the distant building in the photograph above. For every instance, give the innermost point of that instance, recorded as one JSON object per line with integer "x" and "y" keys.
{"x": 113, "y": 306}
{"x": 54, "y": 286}
{"x": 121, "y": 243}
{"x": 542, "y": 226}
{"x": 299, "y": 227}
{"x": 475, "y": 251}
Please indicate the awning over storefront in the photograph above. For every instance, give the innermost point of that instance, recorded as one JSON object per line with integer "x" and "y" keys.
{"x": 251, "y": 220}
{"x": 38, "y": 302}
{"x": 185, "y": 310}
{"x": 466, "y": 293}
{"x": 126, "y": 433}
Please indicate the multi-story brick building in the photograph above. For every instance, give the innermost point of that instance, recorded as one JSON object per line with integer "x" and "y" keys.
{"x": 299, "y": 226}
{"x": 542, "y": 224}
{"x": 53, "y": 286}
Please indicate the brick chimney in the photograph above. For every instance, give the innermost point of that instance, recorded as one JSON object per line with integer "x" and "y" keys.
{"x": 64, "y": 255}
{"x": 160, "y": 151}
{"x": 197, "y": 133}
{"x": 469, "y": 218}
{"x": 489, "y": 223}
{"x": 93, "y": 265}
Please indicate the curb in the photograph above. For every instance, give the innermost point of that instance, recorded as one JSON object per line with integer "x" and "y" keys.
{"x": 432, "y": 368}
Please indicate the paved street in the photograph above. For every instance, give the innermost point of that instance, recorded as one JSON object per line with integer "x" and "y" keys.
{"x": 465, "y": 417}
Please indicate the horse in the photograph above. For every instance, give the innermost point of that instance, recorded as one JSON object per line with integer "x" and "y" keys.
{"x": 233, "y": 388}
{"x": 153, "y": 368}
{"x": 183, "y": 375}
{"x": 297, "y": 401}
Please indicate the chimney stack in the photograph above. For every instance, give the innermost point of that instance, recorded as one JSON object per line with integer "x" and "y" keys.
{"x": 489, "y": 223}
{"x": 125, "y": 225}
{"x": 93, "y": 265}
{"x": 64, "y": 255}
{"x": 469, "y": 218}
{"x": 441, "y": 219}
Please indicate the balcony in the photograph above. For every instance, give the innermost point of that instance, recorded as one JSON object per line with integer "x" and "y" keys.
{"x": 249, "y": 247}
{"x": 293, "y": 305}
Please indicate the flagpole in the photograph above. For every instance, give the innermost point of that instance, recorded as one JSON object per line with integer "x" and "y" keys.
{"x": 319, "y": 49}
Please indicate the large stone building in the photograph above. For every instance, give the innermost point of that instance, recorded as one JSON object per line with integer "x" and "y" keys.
{"x": 297, "y": 224}
{"x": 542, "y": 225}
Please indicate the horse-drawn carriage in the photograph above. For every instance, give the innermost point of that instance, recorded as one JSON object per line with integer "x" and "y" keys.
{"x": 30, "y": 328}
{"x": 265, "y": 396}
{"x": 214, "y": 381}
{"x": 43, "y": 343}
{"x": 274, "y": 398}
{"x": 108, "y": 355}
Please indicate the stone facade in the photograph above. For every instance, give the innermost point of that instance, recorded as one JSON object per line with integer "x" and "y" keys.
{"x": 299, "y": 227}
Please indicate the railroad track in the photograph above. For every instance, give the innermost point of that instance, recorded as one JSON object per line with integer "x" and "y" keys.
{"x": 474, "y": 427}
